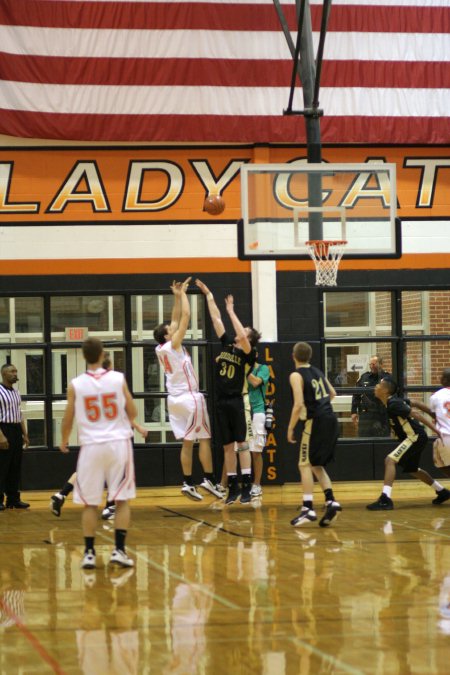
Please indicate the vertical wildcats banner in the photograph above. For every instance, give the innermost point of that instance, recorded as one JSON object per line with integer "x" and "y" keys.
{"x": 278, "y": 452}
{"x": 220, "y": 71}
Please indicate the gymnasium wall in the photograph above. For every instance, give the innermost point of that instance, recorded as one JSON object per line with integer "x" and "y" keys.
{"x": 127, "y": 210}
{"x": 119, "y": 218}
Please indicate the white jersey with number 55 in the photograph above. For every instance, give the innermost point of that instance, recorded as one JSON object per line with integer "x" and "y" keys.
{"x": 100, "y": 406}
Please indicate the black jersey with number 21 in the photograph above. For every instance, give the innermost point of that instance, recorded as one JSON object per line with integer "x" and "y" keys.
{"x": 315, "y": 392}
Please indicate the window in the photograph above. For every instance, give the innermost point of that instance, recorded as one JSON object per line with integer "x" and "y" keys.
{"x": 361, "y": 324}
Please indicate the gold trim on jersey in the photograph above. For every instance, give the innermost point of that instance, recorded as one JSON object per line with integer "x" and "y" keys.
{"x": 403, "y": 447}
{"x": 303, "y": 459}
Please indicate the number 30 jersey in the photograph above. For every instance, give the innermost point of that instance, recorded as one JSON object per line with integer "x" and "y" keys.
{"x": 316, "y": 392}
{"x": 232, "y": 367}
{"x": 100, "y": 406}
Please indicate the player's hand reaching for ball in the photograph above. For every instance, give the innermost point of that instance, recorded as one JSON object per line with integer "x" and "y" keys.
{"x": 229, "y": 303}
{"x": 185, "y": 284}
{"x": 203, "y": 287}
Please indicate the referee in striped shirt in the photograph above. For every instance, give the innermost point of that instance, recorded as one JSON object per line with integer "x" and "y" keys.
{"x": 13, "y": 436}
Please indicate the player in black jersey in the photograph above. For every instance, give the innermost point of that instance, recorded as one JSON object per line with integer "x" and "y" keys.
{"x": 236, "y": 358}
{"x": 312, "y": 395}
{"x": 407, "y": 428}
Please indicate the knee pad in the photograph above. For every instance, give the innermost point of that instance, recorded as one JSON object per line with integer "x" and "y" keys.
{"x": 243, "y": 447}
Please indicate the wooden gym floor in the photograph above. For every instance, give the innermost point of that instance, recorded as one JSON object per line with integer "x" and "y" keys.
{"x": 234, "y": 590}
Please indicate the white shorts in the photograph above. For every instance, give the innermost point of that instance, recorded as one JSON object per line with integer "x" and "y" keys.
{"x": 188, "y": 416}
{"x": 441, "y": 452}
{"x": 99, "y": 463}
{"x": 257, "y": 440}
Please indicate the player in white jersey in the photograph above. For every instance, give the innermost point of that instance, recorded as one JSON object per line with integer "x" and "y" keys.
{"x": 188, "y": 415}
{"x": 439, "y": 408}
{"x": 100, "y": 402}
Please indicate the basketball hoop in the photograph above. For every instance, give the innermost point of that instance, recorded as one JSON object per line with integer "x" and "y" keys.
{"x": 326, "y": 256}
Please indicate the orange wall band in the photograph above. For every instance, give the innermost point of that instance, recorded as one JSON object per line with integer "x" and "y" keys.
{"x": 209, "y": 265}
{"x": 58, "y": 185}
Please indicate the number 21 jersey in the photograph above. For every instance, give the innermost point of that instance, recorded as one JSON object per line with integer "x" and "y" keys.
{"x": 316, "y": 392}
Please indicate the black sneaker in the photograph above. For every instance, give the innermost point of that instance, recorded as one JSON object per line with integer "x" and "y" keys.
{"x": 56, "y": 504}
{"x": 442, "y": 496}
{"x": 17, "y": 505}
{"x": 383, "y": 503}
{"x": 332, "y": 510}
{"x": 234, "y": 493}
{"x": 246, "y": 496}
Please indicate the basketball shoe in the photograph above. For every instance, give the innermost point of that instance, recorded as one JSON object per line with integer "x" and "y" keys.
{"x": 119, "y": 557}
{"x": 109, "y": 512}
{"x": 88, "y": 562}
{"x": 213, "y": 489}
{"x": 383, "y": 503}
{"x": 56, "y": 503}
{"x": 332, "y": 510}
{"x": 256, "y": 491}
{"x": 442, "y": 496}
{"x": 191, "y": 492}
{"x": 234, "y": 493}
{"x": 305, "y": 517}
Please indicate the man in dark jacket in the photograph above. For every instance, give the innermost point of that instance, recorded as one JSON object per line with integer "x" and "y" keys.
{"x": 367, "y": 411}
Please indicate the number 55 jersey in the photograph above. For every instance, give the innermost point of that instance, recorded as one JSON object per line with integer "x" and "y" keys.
{"x": 100, "y": 406}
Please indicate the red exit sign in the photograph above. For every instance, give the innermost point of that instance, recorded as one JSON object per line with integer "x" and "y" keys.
{"x": 76, "y": 334}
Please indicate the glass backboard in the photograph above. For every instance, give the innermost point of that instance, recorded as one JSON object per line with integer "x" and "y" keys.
{"x": 286, "y": 205}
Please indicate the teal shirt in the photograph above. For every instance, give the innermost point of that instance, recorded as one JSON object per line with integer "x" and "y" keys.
{"x": 257, "y": 395}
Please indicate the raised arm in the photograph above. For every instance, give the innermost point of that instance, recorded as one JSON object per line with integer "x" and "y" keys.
{"x": 185, "y": 315}
{"x": 298, "y": 411}
{"x": 176, "y": 309}
{"x": 214, "y": 311}
{"x": 238, "y": 327}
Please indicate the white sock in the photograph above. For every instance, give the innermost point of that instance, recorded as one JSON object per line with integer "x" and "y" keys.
{"x": 437, "y": 486}
{"x": 387, "y": 489}
{"x": 245, "y": 472}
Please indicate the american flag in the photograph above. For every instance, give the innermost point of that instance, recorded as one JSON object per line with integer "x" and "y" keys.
{"x": 219, "y": 71}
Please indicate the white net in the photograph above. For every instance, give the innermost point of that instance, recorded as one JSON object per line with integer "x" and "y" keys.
{"x": 326, "y": 256}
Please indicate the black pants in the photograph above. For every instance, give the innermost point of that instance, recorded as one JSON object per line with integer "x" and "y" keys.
{"x": 11, "y": 463}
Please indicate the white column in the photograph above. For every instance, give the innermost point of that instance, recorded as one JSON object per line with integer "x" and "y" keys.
{"x": 264, "y": 294}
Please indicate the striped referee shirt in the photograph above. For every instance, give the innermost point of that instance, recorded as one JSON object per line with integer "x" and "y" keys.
{"x": 10, "y": 401}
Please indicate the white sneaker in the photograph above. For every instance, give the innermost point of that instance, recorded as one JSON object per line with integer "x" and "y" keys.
{"x": 88, "y": 562}
{"x": 256, "y": 491}
{"x": 109, "y": 512}
{"x": 213, "y": 489}
{"x": 120, "y": 558}
{"x": 191, "y": 491}
{"x": 221, "y": 489}
{"x": 305, "y": 517}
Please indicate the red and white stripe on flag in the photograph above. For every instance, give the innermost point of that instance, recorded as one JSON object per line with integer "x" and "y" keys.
{"x": 217, "y": 70}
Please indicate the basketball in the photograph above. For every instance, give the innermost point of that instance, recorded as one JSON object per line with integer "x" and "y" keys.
{"x": 214, "y": 205}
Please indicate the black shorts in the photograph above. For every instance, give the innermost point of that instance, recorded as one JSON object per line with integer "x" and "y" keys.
{"x": 407, "y": 454}
{"x": 231, "y": 420}
{"x": 318, "y": 440}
